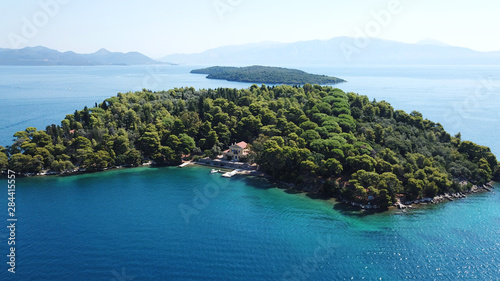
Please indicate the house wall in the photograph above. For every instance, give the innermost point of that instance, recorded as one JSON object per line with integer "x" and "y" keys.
{"x": 235, "y": 152}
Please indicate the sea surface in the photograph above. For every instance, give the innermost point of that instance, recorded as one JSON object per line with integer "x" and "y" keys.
{"x": 187, "y": 224}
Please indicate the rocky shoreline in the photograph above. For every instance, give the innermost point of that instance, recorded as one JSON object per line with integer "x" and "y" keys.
{"x": 400, "y": 203}
{"x": 444, "y": 197}
{"x": 75, "y": 171}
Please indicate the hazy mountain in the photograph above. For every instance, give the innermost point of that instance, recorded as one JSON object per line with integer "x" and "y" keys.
{"x": 45, "y": 56}
{"x": 429, "y": 41}
{"x": 339, "y": 51}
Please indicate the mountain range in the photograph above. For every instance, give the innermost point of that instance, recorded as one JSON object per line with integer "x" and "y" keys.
{"x": 339, "y": 51}
{"x": 336, "y": 51}
{"x": 45, "y": 56}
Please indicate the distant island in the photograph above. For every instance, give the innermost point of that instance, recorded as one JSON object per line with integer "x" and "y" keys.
{"x": 266, "y": 75}
{"x": 45, "y": 56}
{"x": 315, "y": 138}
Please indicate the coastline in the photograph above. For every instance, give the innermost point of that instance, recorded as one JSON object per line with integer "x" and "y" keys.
{"x": 399, "y": 204}
{"x": 76, "y": 171}
{"x": 243, "y": 169}
{"x": 447, "y": 197}
{"x": 235, "y": 166}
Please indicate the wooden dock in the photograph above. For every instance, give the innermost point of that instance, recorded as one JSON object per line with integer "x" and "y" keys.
{"x": 185, "y": 164}
{"x": 231, "y": 174}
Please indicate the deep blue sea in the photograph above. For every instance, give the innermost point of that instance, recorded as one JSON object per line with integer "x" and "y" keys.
{"x": 188, "y": 224}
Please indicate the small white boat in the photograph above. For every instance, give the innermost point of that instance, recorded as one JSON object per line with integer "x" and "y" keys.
{"x": 213, "y": 171}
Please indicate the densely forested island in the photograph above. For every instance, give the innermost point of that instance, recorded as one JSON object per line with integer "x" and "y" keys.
{"x": 267, "y": 75}
{"x": 332, "y": 143}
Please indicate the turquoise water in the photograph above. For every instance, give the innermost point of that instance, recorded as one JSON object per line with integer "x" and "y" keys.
{"x": 128, "y": 223}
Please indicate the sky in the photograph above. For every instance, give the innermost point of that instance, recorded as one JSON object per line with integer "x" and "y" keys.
{"x": 161, "y": 27}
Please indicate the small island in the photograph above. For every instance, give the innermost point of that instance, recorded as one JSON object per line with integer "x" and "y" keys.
{"x": 313, "y": 138}
{"x": 266, "y": 75}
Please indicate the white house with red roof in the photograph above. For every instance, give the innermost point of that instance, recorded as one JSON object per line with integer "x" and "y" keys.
{"x": 237, "y": 151}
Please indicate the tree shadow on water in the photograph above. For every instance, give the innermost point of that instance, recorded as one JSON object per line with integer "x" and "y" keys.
{"x": 257, "y": 182}
{"x": 343, "y": 208}
{"x": 349, "y": 210}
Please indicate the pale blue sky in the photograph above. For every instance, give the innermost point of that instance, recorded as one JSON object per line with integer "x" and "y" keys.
{"x": 157, "y": 28}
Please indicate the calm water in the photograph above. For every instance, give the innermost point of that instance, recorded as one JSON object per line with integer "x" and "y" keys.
{"x": 100, "y": 226}
{"x": 128, "y": 225}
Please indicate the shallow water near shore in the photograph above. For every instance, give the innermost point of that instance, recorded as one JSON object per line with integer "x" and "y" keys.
{"x": 129, "y": 221}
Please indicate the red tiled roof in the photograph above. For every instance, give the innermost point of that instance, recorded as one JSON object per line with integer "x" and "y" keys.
{"x": 242, "y": 144}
